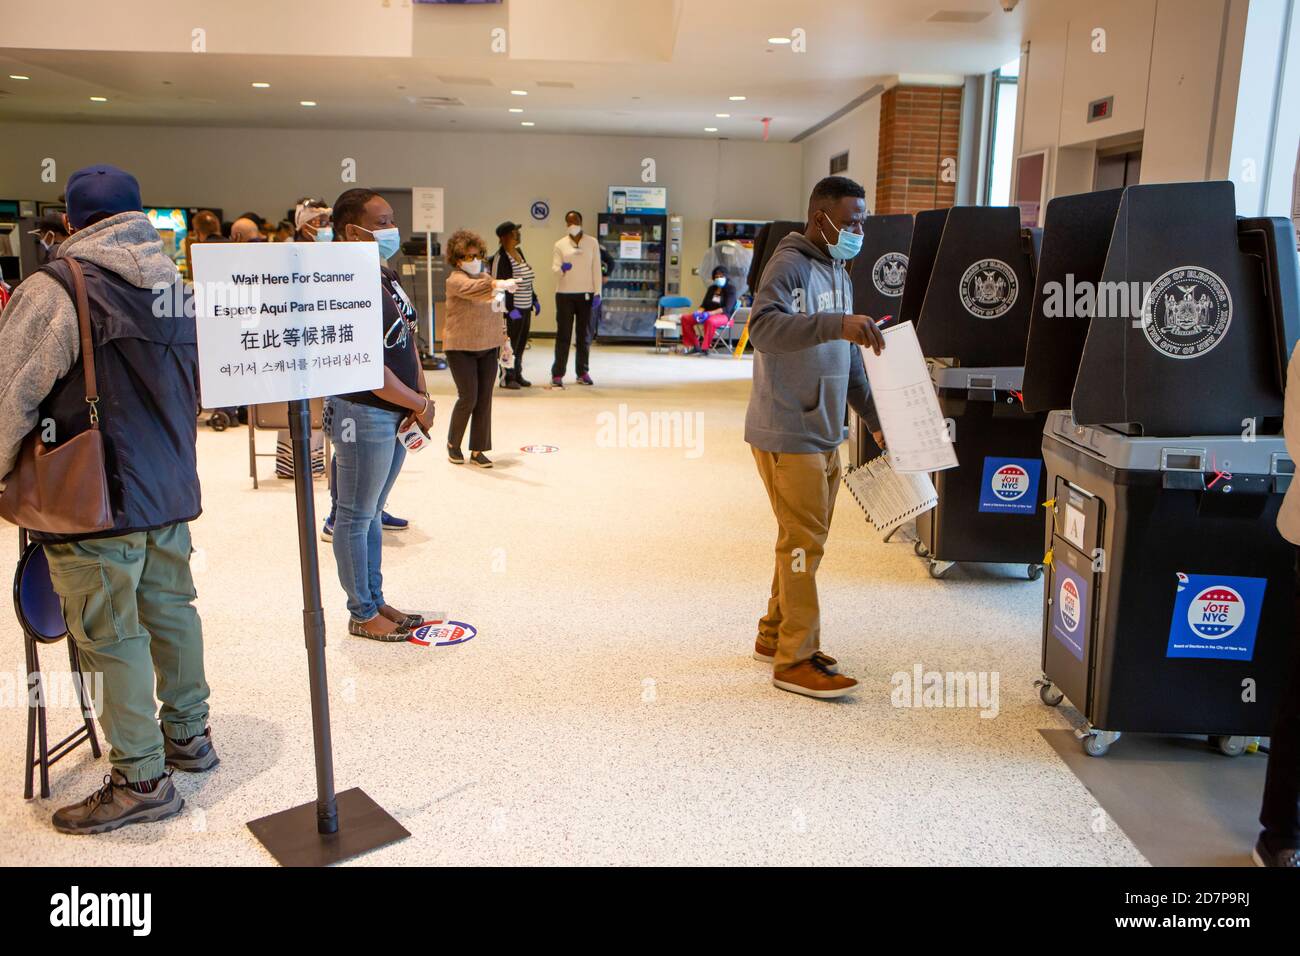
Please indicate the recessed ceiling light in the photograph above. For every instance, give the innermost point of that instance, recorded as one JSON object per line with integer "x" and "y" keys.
{"x": 261, "y": 86}
{"x": 778, "y": 41}
{"x": 516, "y": 109}
{"x": 710, "y": 129}
{"x": 18, "y": 76}
{"x": 527, "y": 123}
{"x": 735, "y": 99}
{"x": 99, "y": 99}
{"x": 306, "y": 102}
{"x": 722, "y": 115}
{"x": 518, "y": 92}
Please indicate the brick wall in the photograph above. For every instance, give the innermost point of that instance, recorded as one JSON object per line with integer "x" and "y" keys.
{"x": 919, "y": 127}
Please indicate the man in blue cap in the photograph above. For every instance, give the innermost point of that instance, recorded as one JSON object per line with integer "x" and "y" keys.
{"x": 127, "y": 592}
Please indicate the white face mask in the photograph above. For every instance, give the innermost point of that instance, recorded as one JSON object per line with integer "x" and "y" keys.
{"x": 473, "y": 266}
{"x": 575, "y": 231}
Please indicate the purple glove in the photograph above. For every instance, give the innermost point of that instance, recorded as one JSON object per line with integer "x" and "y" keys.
{"x": 595, "y": 303}
{"x": 514, "y": 314}
{"x": 566, "y": 266}
{"x": 537, "y": 306}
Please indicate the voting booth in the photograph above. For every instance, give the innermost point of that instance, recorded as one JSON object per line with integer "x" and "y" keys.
{"x": 1160, "y": 336}
{"x": 969, "y": 290}
{"x": 879, "y": 273}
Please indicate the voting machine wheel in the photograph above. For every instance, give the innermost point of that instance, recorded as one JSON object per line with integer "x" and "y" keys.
{"x": 1033, "y": 571}
{"x": 1096, "y": 743}
{"x": 1229, "y": 746}
{"x": 919, "y": 549}
{"x": 939, "y": 568}
{"x": 1048, "y": 693}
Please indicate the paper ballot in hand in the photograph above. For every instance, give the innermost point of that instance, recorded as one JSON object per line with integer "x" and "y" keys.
{"x": 915, "y": 430}
{"x": 887, "y": 497}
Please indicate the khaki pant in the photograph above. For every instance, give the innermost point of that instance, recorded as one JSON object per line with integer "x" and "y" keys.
{"x": 802, "y": 490}
{"x": 128, "y": 604}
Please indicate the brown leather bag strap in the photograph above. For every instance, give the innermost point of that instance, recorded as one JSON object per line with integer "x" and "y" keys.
{"x": 87, "y": 341}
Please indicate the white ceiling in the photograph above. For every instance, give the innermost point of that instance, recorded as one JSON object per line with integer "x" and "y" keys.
{"x": 670, "y": 85}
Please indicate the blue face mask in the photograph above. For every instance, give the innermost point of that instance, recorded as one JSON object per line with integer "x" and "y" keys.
{"x": 848, "y": 245}
{"x": 720, "y": 281}
{"x": 390, "y": 240}
{"x": 324, "y": 234}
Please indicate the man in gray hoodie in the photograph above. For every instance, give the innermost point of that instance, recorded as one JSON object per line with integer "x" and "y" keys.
{"x": 806, "y": 368}
{"x": 127, "y": 591}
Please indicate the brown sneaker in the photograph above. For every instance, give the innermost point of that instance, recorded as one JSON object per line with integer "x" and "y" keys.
{"x": 761, "y": 653}
{"x": 195, "y": 756}
{"x": 813, "y": 678}
{"x": 115, "y": 805}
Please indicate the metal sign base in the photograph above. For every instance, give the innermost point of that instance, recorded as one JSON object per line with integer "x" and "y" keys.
{"x": 336, "y": 826}
{"x": 291, "y": 836}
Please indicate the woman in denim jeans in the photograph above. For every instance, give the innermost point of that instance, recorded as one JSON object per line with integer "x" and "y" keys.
{"x": 364, "y": 428}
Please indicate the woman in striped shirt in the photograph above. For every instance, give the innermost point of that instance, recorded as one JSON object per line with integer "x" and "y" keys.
{"x": 521, "y": 305}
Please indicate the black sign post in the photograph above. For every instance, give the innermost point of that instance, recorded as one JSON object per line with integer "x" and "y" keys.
{"x": 334, "y": 827}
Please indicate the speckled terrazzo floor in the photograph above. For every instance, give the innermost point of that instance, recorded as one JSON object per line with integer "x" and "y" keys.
{"x": 608, "y": 710}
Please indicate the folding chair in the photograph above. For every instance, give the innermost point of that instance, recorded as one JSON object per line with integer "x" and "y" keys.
{"x": 725, "y": 345}
{"x": 668, "y": 323}
{"x": 274, "y": 417}
{"x": 41, "y": 616}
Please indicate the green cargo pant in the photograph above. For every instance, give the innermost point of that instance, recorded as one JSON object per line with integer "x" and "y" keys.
{"x": 127, "y": 602}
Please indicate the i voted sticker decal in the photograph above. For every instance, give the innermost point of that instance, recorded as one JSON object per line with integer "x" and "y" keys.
{"x": 442, "y": 633}
{"x": 540, "y": 449}
{"x": 1216, "y": 616}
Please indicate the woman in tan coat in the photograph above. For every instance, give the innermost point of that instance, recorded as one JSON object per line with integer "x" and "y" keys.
{"x": 474, "y": 332}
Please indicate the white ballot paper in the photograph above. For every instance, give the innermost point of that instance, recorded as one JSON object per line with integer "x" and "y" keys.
{"x": 914, "y": 427}
{"x": 888, "y": 498}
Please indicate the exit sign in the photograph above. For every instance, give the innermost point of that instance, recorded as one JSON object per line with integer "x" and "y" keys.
{"x": 1101, "y": 109}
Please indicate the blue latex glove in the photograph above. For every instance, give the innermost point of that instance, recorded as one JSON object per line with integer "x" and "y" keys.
{"x": 566, "y": 266}
{"x": 537, "y": 306}
{"x": 595, "y": 303}
{"x": 514, "y": 314}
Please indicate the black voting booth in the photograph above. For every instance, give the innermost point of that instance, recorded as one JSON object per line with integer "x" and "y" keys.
{"x": 968, "y": 290}
{"x": 878, "y": 274}
{"x": 1168, "y": 603}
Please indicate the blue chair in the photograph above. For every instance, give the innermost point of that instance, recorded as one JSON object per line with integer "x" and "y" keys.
{"x": 41, "y": 616}
{"x": 667, "y": 323}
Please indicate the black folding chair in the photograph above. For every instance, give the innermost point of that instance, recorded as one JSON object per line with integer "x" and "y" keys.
{"x": 41, "y": 616}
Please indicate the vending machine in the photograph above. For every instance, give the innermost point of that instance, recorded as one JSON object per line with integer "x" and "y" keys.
{"x": 636, "y": 244}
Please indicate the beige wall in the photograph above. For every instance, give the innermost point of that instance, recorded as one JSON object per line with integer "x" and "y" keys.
{"x": 1171, "y": 67}
{"x": 859, "y": 133}
{"x": 488, "y": 177}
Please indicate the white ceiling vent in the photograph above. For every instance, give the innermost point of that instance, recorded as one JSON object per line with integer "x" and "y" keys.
{"x": 957, "y": 16}
{"x": 434, "y": 102}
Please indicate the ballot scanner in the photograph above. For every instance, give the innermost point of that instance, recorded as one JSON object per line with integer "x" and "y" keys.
{"x": 969, "y": 291}
{"x": 1169, "y": 598}
{"x": 878, "y": 273}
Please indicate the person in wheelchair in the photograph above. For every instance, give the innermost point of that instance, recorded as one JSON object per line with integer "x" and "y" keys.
{"x": 714, "y": 313}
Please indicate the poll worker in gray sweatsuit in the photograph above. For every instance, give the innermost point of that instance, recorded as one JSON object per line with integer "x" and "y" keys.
{"x": 806, "y": 367}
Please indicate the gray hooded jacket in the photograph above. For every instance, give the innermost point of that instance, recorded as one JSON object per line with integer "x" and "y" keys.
{"x": 804, "y": 373}
{"x": 39, "y": 341}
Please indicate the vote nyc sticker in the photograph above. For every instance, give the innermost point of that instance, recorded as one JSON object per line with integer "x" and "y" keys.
{"x": 1216, "y": 616}
{"x": 1010, "y": 485}
{"x": 442, "y": 633}
{"x": 1070, "y": 610}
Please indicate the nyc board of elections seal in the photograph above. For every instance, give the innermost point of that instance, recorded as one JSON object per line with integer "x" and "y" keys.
{"x": 890, "y": 273}
{"x": 989, "y": 289}
{"x": 1187, "y": 312}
